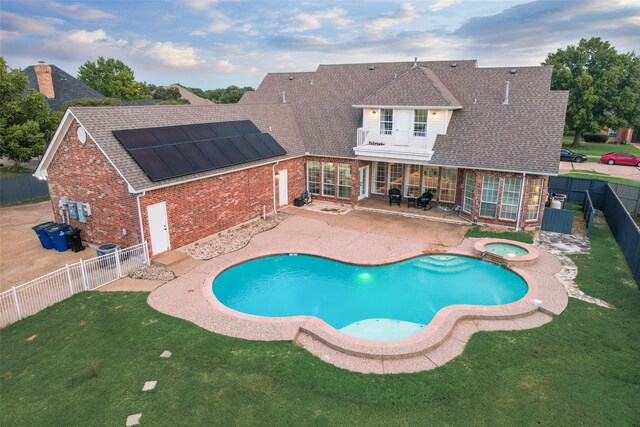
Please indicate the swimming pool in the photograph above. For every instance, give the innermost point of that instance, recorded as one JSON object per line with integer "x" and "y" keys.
{"x": 385, "y": 302}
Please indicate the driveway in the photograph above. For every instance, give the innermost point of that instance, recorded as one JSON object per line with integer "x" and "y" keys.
{"x": 619, "y": 171}
{"x": 22, "y": 258}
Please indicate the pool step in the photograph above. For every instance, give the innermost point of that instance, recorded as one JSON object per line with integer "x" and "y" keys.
{"x": 442, "y": 265}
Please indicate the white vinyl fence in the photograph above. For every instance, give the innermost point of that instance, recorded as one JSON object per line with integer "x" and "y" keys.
{"x": 25, "y": 300}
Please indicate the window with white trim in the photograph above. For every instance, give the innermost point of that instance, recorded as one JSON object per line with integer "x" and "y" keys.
{"x": 430, "y": 176}
{"x": 510, "y": 198}
{"x": 489, "y": 197}
{"x": 412, "y": 181}
{"x": 344, "y": 181}
{"x": 469, "y": 185}
{"x": 535, "y": 192}
{"x": 313, "y": 177}
{"x": 328, "y": 179}
{"x": 386, "y": 121}
{"x": 419, "y": 122}
{"x": 448, "y": 181}
{"x": 379, "y": 181}
{"x": 395, "y": 176}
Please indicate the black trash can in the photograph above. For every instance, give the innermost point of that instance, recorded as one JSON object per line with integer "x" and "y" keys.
{"x": 75, "y": 241}
{"x": 103, "y": 251}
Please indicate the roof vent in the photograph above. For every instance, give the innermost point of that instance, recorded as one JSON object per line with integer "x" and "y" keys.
{"x": 284, "y": 98}
{"x": 505, "y": 101}
{"x": 415, "y": 62}
{"x": 41, "y": 62}
{"x": 291, "y": 77}
{"x": 513, "y": 71}
{"x": 453, "y": 64}
{"x": 63, "y": 77}
{"x": 372, "y": 67}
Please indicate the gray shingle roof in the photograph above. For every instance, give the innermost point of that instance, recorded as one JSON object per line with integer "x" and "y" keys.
{"x": 417, "y": 87}
{"x": 277, "y": 120}
{"x": 524, "y": 135}
{"x": 65, "y": 87}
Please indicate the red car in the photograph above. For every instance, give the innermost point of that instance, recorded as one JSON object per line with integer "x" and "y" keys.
{"x": 620, "y": 159}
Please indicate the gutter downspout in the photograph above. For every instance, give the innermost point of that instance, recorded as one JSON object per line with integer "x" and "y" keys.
{"x": 273, "y": 181}
{"x": 524, "y": 179}
{"x": 138, "y": 195}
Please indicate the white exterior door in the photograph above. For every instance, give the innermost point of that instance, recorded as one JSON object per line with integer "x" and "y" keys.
{"x": 401, "y": 131}
{"x": 283, "y": 188}
{"x": 158, "y": 227}
{"x": 363, "y": 182}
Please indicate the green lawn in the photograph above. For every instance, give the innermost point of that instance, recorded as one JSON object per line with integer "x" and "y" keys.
{"x": 14, "y": 170}
{"x": 579, "y": 173}
{"x": 594, "y": 150}
{"x": 518, "y": 236}
{"x": 84, "y": 361}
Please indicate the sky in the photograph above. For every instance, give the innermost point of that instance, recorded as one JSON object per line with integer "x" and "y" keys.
{"x": 217, "y": 43}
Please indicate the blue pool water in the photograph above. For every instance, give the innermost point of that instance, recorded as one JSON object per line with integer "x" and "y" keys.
{"x": 383, "y": 302}
{"x": 505, "y": 249}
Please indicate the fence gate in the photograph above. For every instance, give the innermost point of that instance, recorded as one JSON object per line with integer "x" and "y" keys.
{"x": 558, "y": 220}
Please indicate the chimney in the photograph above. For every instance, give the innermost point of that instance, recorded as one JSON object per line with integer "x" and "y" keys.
{"x": 45, "y": 82}
{"x": 505, "y": 101}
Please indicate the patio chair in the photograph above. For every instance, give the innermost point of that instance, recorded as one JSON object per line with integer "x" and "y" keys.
{"x": 423, "y": 201}
{"x": 395, "y": 196}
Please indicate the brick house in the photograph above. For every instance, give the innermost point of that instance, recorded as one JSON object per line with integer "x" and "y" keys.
{"x": 483, "y": 140}
{"x": 622, "y": 136}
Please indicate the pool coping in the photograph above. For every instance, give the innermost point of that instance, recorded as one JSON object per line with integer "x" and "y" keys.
{"x": 440, "y": 327}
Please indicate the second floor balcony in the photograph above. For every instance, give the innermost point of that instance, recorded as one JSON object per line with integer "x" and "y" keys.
{"x": 399, "y": 144}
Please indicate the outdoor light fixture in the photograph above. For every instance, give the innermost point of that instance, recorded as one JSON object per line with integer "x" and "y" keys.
{"x": 277, "y": 175}
{"x": 433, "y": 114}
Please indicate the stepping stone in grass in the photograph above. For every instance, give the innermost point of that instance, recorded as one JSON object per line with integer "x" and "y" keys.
{"x": 133, "y": 420}
{"x": 166, "y": 354}
{"x": 149, "y": 385}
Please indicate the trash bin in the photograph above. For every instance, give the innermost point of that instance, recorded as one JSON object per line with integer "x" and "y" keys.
{"x": 107, "y": 260}
{"x": 41, "y": 232}
{"x": 75, "y": 241}
{"x": 58, "y": 235}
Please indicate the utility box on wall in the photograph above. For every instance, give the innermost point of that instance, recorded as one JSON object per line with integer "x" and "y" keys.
{"x": 84, "y": 210}
{"x": 73, "y": 209}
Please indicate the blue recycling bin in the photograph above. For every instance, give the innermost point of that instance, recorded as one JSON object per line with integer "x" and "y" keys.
{"x": 41, "y": 232}
{"x": 58, "y": 235}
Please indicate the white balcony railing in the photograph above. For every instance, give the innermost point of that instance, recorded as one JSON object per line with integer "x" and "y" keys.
{"x": 399, "y": 145}
{"x": 363, "y": 136}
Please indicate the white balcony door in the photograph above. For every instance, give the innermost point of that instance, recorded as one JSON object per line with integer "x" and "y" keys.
{"x": 401, "y": 129}
{"x": 363, "y": 182}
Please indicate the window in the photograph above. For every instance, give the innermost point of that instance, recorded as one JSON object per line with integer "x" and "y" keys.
{"x": 328, "y": 179}
{"x": 344, "y": 181}
{"x": 395, "y": 176}
{"x": 613, "y": 133}
{"x": 379, "y": 181}
{"x": 448, "y": 180}
{"x": 412, "y": 181}
{"x": 386, "y": 121}
{"x": 510, "y": 198}
{"x": 489, "y": 198}
{"x": 533, "y": 206}
{"x": 469, "y": 185}
{"x": 313, "y": 177}
{"x": 430, "y": 179}
{"x": 420, "y": 123}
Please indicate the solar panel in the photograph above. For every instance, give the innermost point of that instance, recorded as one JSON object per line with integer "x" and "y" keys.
{"x": 171, "y": 151}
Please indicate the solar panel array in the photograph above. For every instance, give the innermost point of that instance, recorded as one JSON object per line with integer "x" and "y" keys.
{"x": 171, "y": 151}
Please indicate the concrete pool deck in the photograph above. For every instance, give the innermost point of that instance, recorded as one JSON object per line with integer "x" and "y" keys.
{"x": 357, "y": 241}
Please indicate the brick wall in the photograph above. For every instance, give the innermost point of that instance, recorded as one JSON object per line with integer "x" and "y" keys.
{"x": 82, "y": 173}
{"x": 204, "y": 207}
{"x": 624, "y": 136}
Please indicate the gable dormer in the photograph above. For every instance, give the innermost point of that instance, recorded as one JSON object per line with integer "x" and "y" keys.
{"x": 403, "y": 118}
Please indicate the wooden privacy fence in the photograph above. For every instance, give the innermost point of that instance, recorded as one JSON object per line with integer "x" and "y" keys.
{"x": 20, "y": 188}
{"x": 28, "y": 299}
{"x": 588, "y": 212}
{"x": 575, "y": 189}
{"x": 557, "y": 220}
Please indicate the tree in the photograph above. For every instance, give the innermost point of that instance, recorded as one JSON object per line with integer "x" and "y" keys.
{"x": 112, "y": 78}
{"x": 26, "y": 121}
{"x": 92, "y": 102}
{"x": 229, "y": 95}
{"x": 603, "y": 85}
{"x": 166, "y": 93}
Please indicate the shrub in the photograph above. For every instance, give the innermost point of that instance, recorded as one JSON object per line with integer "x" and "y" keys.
{"x": 595, "y": 137}
{"x": 93, "y": 102}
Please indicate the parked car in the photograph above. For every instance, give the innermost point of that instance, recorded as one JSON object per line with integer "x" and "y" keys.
{"x": 616, "y": 158}
{"x": 570, "y": 156}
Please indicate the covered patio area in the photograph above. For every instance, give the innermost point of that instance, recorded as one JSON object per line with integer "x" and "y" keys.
{"x": 408, "y": 209}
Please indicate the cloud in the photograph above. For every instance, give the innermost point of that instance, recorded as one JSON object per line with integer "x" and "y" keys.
{"x": 198, "y": 5}
{"x": 218, "y": 23}
{"x": 29, "y": 25}
{"x": 443, "y": 4}
{"x": 91, "y": 37}
{"x": 171, "y": 54}
{"x": 303, "y": 21}
{"x": 405, "y": 13}
{"x": 79, "y": 11}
